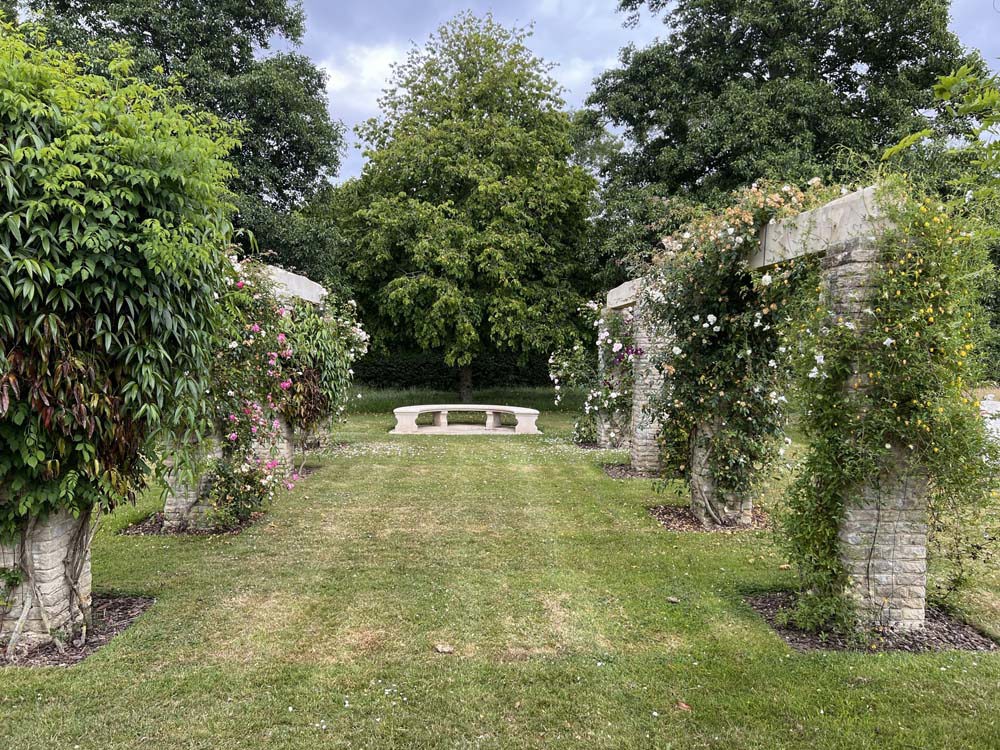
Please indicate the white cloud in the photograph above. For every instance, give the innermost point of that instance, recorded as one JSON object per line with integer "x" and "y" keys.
{"x": 357, "y": 75}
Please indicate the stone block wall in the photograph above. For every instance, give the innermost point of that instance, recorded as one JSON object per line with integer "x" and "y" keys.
{"x": 184, "y": 504}
{"x": 883, "y": 535}
{"x": 47, "y": 553}
{"x": 645, "y": 448}
{"x": 883, "y": 543}
{"x": 710, "y": 505}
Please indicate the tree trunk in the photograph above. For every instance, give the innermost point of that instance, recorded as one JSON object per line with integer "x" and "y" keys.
{"x": 711, "y": 505}
{"x": 465, "y": 384}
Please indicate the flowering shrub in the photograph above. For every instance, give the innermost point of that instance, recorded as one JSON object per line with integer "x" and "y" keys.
{"x": 281, "y": 367}
{"x": 897, "y": 388}
{"x": 725, "y": 373}
{"x": 608, "y": 380}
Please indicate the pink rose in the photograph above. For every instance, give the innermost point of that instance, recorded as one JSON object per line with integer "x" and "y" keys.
{"x": 233, "y": 437}
{"x": 281, "y": 338}
{"x": 240, "y": 285}
{"x": 285, "y": 384}
{"x": 255, "y": 328}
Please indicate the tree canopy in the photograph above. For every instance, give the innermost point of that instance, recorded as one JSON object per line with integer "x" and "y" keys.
{"x": 465, "y": 223}
{"x": 290, "y": 145}
{"x": 743, "y": 89}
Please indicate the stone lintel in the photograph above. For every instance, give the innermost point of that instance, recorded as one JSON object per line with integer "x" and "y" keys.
{"x": 811, "y": 232}
{"x": 624, "y": 295}
{"x": 288, "y": 284}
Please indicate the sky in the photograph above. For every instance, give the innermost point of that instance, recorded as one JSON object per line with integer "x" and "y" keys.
{"x": 356, "y": 42}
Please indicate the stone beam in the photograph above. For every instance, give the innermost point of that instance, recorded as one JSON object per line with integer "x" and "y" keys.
{"x": 288, "y": 284}
{"x": 853, "y": 216}
{"x": 624, "y": 295}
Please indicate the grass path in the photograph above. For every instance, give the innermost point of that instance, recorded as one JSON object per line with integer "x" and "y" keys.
{"x": 317, "y": 628}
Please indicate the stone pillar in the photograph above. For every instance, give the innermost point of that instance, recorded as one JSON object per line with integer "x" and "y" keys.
{"x": 648, "y": 382}
{"x": 883, "y": 535}
{"x": 710, "y": 505}
{"x": 53, "y": 552}
{"x": 184, "y": 504}
{"x": 883, "y": 543}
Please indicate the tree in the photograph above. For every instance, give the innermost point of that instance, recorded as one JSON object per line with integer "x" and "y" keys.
{"x": 114, "y": 224}
{"x": 744, "y": 89}
{"x": 290, "y": 146}
{"x": 466, "y": 222}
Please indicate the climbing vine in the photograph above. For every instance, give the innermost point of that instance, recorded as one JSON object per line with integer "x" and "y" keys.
{"x": 894, "y": 392}
{"x": 607, "y": 380}
{"x": 725, "y": 363}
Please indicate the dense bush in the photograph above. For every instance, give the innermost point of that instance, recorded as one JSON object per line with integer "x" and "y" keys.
{"x": 278, "y": 365}
{"x": 724, "y": 393}
{"x": 898, "y": 385}
{"x": 113, "y": 227}
{"x": 408, "y": 369}
{"x": 607, "y": 379}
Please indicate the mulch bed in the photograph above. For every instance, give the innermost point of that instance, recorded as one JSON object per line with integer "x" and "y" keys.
{"x": 112, "y": 615}
{"x": 680, "y": 518}
{"x": 153, "y": 526}
{"x": 941, "y": 632}
{"x": 627, "y": 471}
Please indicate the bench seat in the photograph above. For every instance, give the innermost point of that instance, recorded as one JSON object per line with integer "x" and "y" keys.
{"x": 406, "y": 420}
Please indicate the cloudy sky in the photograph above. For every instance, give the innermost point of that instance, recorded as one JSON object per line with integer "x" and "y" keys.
{"x": 356, "y": 42}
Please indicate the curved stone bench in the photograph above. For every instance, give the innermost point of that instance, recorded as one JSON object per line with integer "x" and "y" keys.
{"x": 406, "y": 420}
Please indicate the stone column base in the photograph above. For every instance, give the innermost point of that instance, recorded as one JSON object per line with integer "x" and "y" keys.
{"x": 48, "y": 603}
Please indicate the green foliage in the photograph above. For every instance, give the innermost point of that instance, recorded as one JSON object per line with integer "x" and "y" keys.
{"x": 739, "y": 90}
{"x": 289, "y": 145}
{"x": 465, "y": 225}
{"x": 236, "y": 489}
{"x": 607, "y": 379}
{"x": 964, "y": 166}
{"x": 113, "y": 225}
{"x": 725, "y": 366}
{"x": 10, "y": 579}
{"x": 894, "y": 390}
{"x": 427, "y": 369}
{"x": 325, "y": 343}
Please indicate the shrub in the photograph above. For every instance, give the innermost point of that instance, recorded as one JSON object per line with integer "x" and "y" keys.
{"x": 112, "y": 236}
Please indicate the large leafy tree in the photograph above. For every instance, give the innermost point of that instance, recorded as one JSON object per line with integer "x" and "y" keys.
{"x": 290, "y": 146}
{"x": 466, "y": 222}
{"x": 743, "y": 89}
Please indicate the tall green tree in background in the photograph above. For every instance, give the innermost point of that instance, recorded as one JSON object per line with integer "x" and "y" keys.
{"x": 290, "y": 144}
{"x": 743, "y": 89}
{"x": 466, "y": 223}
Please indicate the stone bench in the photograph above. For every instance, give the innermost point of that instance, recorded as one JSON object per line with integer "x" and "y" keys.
{"x": 406, "y": 420}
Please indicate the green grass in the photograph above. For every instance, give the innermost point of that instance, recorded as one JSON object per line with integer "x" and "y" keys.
{"x": 550, "y": 581}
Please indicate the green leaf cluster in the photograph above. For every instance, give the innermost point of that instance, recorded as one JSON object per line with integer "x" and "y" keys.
{"x": 737, "y": 90}
{"x": 114, "y": 218}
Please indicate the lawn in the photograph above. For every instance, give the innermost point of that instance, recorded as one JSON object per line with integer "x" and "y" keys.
{"x": 317, "y": 628}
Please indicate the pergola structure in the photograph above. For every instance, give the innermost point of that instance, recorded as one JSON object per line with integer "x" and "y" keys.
{"x": 883, "y": 535}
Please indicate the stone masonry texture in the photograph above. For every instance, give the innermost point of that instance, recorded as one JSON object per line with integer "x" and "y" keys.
{"x": 883, "y": 534}
{"x": 48, "y": 550}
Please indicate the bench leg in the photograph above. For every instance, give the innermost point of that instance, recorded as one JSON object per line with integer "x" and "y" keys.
{"x": 493, "y": 420}
{"x": 526, "y": 425}
{"x": 440, "y": 419}
{"x": 406, "y": 424}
